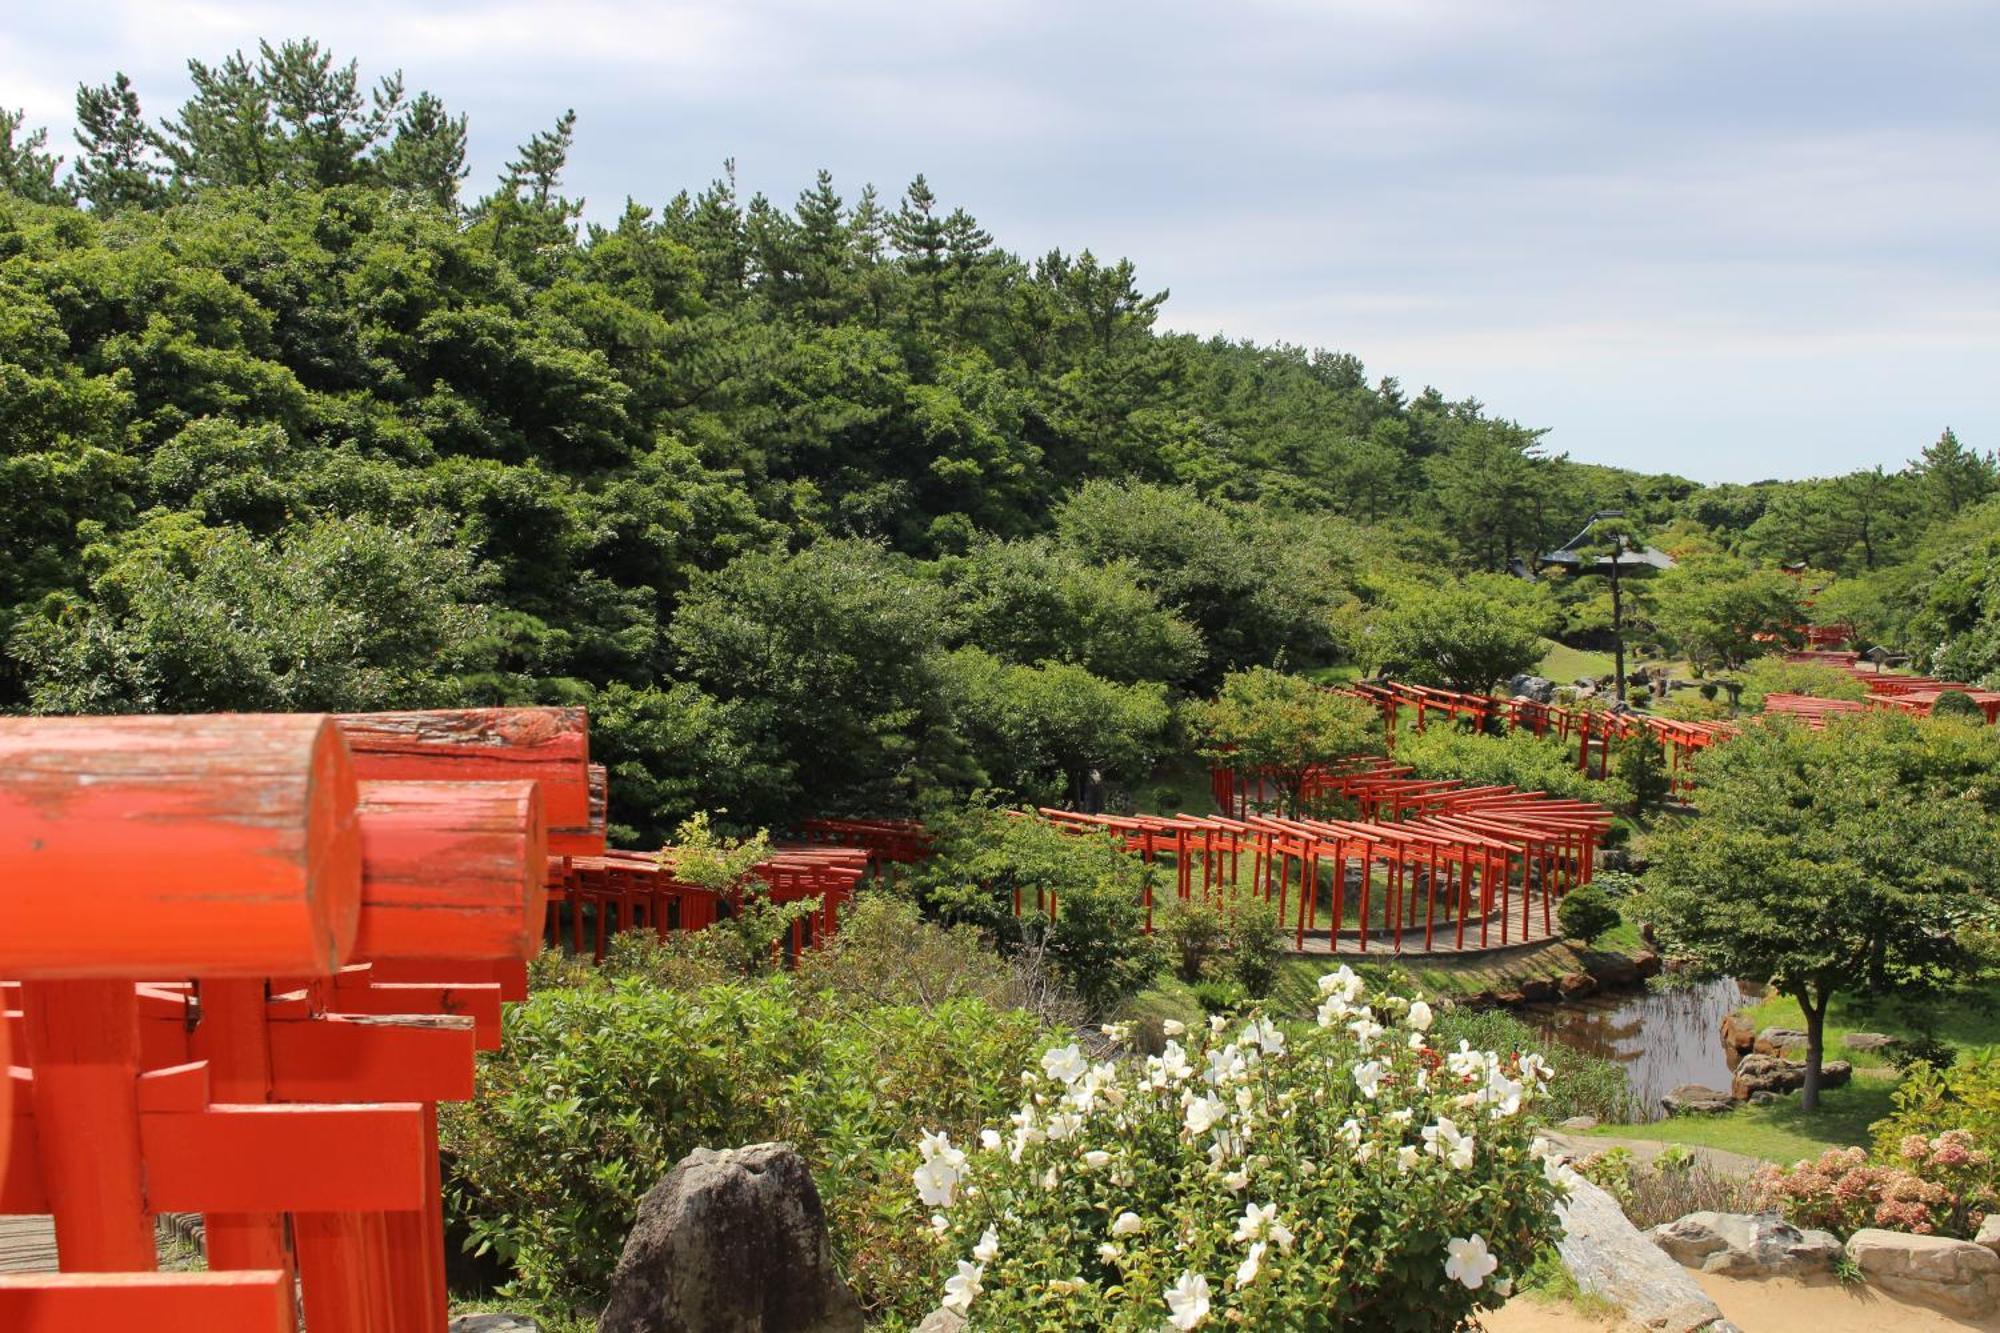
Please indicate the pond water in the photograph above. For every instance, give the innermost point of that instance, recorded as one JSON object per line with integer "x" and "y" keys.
{"x": 1664, "y": 1038}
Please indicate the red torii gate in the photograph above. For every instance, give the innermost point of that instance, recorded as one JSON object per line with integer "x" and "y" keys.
{"x": 451, "y": 869}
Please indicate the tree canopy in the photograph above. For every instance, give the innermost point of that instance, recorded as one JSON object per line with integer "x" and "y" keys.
{"x": 1857, "y": 858}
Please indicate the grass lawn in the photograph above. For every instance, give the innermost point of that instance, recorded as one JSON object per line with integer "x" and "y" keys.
{"x": 1780, "y": 1132}
{"x": 1969, "y": 1019}
{"x": 1564, "y": 664}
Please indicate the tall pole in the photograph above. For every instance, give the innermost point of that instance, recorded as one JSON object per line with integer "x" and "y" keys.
{"x": 1617, "y": 624}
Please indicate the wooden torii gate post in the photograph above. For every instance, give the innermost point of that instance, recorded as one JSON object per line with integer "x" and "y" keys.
{"x": 124, "y": 843}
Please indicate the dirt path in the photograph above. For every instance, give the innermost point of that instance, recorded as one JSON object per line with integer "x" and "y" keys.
{"x": 1774, "y": 1305}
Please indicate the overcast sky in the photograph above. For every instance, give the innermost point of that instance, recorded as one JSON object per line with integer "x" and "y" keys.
{"x": 1728, "y": 238}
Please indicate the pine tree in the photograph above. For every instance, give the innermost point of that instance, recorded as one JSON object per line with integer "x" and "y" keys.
{"x": 319, "y": 115}
{"x": 539, "y": 167}
{"x": 24, "y": 168}
{"x": 224, "y": 134}
{"x": 119, "y": 166}
{"x": 426, "y": 158}
{"x": 1953, "y": 475}
{"x": 917, "y": 231}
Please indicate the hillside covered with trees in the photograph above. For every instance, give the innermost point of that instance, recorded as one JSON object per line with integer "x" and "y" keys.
{"x": 817, "y": 505}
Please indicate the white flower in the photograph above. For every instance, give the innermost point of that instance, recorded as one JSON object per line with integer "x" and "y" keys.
{"x": 1064, "y": 1064}
{"x": 1254, "y": 1220}
{"x": 1469, "y": 1262}
{"x": 989, "y": 1139}
{"x": 1342, "y": 982}
{"x": 1266, "y": 1035}
{"x": 940, "y": 1223}
{"x": 1505, "y": 1286}
{"x": 1247, "y": 1270}
{"x": 1109, "y": 1253}
{"x": 1187, "y": 1301}
{"x": 1406, "y": 1159}
{"x": 1116, "y": 1031}
{"x": 1365, "y": 1029}
{"x": 1174, "y": 1062}
{"x": 1173, "y": 1027}
{"x": 1203, "y": 1112}
{"x": 937, "y": 1147}
{"x": 1236, "y": 1181}
{"x": 962, "y": 1286}
{"x": 1333, "y": 1010}
{"x": 1216, "y": 1022}
{"x": 1126, "y": 1224}
{"x": 1465, "y": 1062}
{"x": 988, "y": 1248}
{"x": 1097, "y": 1159}
{"x": 1051, "y": 1177}
{"x": 937, "y": 1183}
{"x": 1282, "y": 1234}
{"x": 1419, "y": 1017}
{"x": 1064, "y": 1125}
{"x": 1368, "y": 1078}
{"x": 1402, "y": 1115}
{"x": 1350, "y": 1132}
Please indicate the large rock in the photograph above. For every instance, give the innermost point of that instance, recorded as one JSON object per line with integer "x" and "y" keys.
{"x": 1956, "y": 1276}
{"x": 1779, "y": 1041}
{"x": 1739, "y": 1034}
{"x": 1576, "y": 985}
{"x": 1774, "y": 1073}
{"x": 1746, "y": 1245}
{"x": 1647, "y": 963}
{"x": 1538, "y": 688}
{"x": 731, "y": 1242}
{"x": 1989, "y": 1233}
{"x": 493, "y": 1323}
{"x": 1538, "y": 990}
{"x": 1871, "y": 1043}
{"x": 1697, "y": 1099}
{"x": 1610, "y": 1258}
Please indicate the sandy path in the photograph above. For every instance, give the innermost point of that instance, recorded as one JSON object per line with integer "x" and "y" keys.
{"x": 1774, "y": 1305}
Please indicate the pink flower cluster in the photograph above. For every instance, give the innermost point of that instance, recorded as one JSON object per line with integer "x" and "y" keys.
{"x": 1935, "y": 1186}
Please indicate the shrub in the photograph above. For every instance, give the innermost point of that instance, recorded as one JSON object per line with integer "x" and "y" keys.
{"x": 1082, "y": 898}
{"x": 1933, "y": 1098}
{"x": 1191, "y": 933}
{"x": 1672, "y": 1185}
{"x": 1326, "y": 1176}
{"x": 1586, "y": 913}
{"x": 1641, "y": 765}
{"x": 886, "y": 953}
{"x": 1939, "y": 1186}
{"x": 1582, "y": 1084}
{"x": 601, "y": 1088}
{"x": 1639, "y": 695}
{"x": 1532, "y": 763}
{"x": 1256, "y": 944}
{"x": 1220, "y": 995}
{"x": 1959, "y": 704}
{"x": 1774, "y": 675}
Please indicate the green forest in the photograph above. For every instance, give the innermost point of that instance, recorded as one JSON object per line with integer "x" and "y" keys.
{"x": 818, "y": 505}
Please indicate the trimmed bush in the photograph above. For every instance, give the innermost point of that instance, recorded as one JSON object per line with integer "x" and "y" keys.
{"x": 1586, "y": 913}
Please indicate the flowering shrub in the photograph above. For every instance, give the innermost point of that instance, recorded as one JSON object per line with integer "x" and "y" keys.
{"x": 1346, "y": 1175}
{"x": 1937, "y": 1186}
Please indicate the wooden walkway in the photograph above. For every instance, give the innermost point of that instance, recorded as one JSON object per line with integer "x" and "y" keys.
{"x": 27, "y": 1244}
{"x": 1382, "y": 942}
